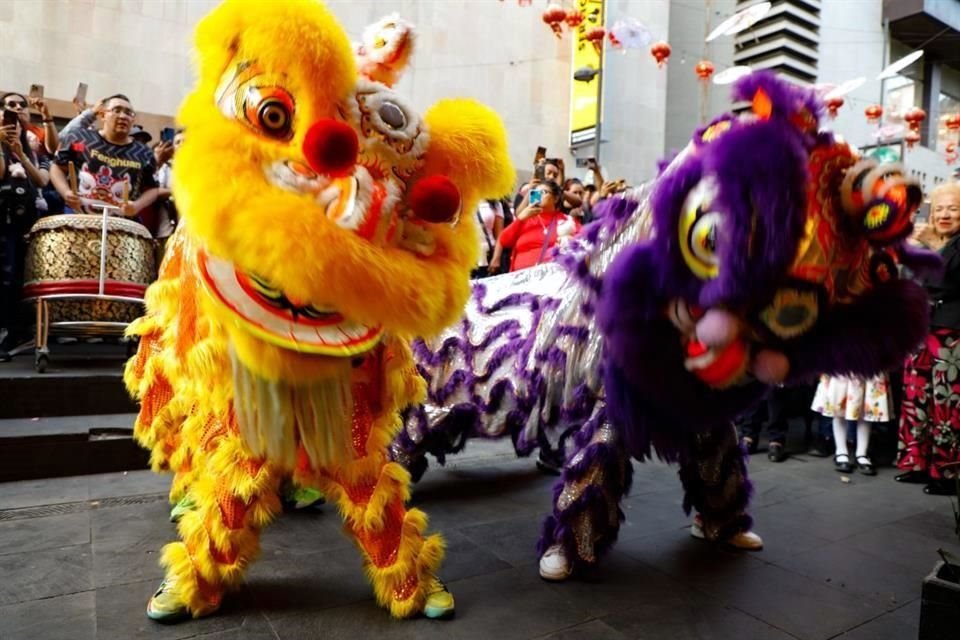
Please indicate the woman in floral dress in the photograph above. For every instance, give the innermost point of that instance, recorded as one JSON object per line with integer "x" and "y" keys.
{"x": 863, "y": 401}
{"x": 930, "y": 417}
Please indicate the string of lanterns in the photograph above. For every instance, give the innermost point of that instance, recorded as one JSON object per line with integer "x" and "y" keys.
{"x": 625, "y": 34}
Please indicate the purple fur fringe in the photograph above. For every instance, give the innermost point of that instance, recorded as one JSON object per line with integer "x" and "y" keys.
{"x": 617, "y": 471}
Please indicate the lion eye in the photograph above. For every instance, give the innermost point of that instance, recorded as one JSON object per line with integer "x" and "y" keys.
{"x": 269, "y": 109}
{"x": 698, "y": 231}
{"x": 392, "y": 115}
{"x": 258, "y": 100}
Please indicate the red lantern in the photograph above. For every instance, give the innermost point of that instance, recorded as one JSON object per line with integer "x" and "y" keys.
{"x": 953, "y": 121}
{"x": 616, "y": 44}
{"x": 911, "y": 138}
{"x": 704, "y": 69}
{"x": 660, "y": 51}
{"x": 833, "y": 105}
{"x": 914, "y": 117}
{"x": 554, "y": 16}
{"x": 595, "y": 35}
{"x": 574, "y": 18}
{"x": 874, "y": 112}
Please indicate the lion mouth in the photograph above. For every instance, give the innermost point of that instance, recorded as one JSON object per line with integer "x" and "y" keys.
{"x": 357, "y": 203}
{"x": 270, "y": 315}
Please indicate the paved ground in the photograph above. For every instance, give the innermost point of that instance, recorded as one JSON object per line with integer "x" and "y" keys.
{"x": 78, "y": 561}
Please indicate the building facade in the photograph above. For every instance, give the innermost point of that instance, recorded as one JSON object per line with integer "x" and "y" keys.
{"x": 504, "y": 55}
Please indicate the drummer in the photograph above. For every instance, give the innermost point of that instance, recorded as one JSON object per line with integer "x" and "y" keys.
{"x": 112, "y": 167}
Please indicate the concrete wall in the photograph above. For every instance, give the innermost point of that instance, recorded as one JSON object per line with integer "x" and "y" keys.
{"x": 136, "y": 47}
{"x": 635, "y": 95}
{"x": 690, "y": 101}
{"x": 851, "y": 45}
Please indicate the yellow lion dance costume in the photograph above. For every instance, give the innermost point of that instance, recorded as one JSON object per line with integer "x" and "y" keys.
{"x": 320, "y": 233}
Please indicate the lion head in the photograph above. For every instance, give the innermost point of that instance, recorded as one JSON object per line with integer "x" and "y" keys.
{"x": 325, "y": 209}
{"x": 773, "y": 258}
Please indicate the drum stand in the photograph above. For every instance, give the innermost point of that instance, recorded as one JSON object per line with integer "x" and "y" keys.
{"x": 91, "y": 328}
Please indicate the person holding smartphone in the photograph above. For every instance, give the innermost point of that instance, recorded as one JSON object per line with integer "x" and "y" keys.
{"x": 534, "y": 233}
{"x": 22, "y": 175}
{"x": 544, "y": 169}
{"x": 16, "y": 143}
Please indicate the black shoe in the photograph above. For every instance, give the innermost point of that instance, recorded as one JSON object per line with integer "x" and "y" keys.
{"x": 550, "y": 463}
{"x": 841, "y": 463}
{"x": 912, "y": 477}
{"x": 941, "y": 487}
{"x": 865, "y": 465}
{"x": 776, "y": 452}
{"x": 821, "y": 448}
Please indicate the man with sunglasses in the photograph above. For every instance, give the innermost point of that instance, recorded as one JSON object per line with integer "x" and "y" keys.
{"x": 112, "y": 167}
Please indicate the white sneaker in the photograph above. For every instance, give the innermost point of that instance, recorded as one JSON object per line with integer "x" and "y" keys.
{"x": 746, "y": 540}
{"x": 554, "y": 565}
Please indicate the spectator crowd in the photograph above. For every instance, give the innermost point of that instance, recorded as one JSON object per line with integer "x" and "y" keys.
{"x": 101, "y": 158}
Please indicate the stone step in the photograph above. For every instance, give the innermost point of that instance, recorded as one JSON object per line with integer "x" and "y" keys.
{"x": 80, "y": 380}
{"x": 51, "y": 447}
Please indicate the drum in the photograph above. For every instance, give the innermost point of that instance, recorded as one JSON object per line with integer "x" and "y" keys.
{"x": 63, "y": 258}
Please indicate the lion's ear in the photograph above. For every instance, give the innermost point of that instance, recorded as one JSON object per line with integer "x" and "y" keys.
{"x": 468, "y": 144}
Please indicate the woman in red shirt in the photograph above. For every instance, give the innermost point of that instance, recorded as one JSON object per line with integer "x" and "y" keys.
{"x": 534, "y": 233}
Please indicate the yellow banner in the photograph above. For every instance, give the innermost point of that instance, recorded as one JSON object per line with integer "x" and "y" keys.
{"x": 584, "y": 95}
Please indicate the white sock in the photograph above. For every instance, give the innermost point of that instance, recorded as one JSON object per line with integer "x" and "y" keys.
{"x": 863, "y": 437}
{"x": 840, "y": 435}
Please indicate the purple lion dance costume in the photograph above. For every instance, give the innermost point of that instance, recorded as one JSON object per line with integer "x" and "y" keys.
{"x": 765, "y": 253}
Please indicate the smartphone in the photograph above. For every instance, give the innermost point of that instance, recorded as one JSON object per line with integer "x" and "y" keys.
{"x": 586, "y": 163}
{"x": 536, "y": 197}
{"x": 81, "y": 97}
{"x": 541, "y": 154}
{"x": 10, "y": 118}
{"x": 166, "y": 134}
{"x": 36, "y": 91}
{"x": 539, "y": 172}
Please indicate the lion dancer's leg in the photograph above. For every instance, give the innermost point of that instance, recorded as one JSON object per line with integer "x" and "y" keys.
{"x": 235, "y": 496}
{"x": 586, "y": 516}
{"x": 371, "y": 492}
{"x": 716, "y": 484}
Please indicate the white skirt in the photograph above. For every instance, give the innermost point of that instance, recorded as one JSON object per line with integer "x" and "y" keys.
{"x": 853, "y": 399}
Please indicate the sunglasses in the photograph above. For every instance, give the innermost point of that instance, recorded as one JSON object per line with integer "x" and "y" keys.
{"x": 13, "y": 104}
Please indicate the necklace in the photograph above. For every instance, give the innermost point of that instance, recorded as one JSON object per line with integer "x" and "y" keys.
{"x": 546, "y": 228}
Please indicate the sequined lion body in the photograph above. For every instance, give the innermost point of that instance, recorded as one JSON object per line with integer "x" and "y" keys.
{"x": 320, "y": 232}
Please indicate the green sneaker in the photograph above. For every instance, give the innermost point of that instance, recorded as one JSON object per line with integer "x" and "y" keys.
{"x": 184, "y": 505}
{"x": 439, "y": 604}
{"x": 165, "y": 606}
{"x": 298, "y": 497}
